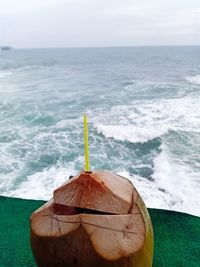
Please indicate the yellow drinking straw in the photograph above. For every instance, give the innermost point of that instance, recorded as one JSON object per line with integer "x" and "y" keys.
{"x": 87, "y": 164}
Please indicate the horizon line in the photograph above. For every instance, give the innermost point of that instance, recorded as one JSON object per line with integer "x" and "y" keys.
{"x": 113, "y": 46}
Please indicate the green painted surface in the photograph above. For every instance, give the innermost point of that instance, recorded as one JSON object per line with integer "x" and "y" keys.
{"x": 177, "y": 235}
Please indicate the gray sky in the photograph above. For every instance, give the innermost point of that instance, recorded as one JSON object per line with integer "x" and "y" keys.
{"x": 72, "y": 23}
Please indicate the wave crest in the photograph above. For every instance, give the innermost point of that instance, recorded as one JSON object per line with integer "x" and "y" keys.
{"x": 193, "y": 79}
{"x": 130, "y": 133}
{"x": 142, "y": 122}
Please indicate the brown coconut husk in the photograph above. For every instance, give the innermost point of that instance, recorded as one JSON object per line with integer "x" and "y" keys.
{"x": 95, "y": 219}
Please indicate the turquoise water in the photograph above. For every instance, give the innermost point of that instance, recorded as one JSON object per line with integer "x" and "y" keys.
{"x": 143, "y": 106}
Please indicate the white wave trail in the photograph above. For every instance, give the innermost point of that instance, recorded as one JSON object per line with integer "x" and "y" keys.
{"x": 141, "y": 122}
{"x": 131, "y": 133}
{"x": 180, "y": 182}
{"x": 5, "y": 74}
{"x": 193, "y": 79}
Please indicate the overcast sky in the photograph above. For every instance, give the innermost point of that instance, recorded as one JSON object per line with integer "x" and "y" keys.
{"x": 80, "y": 23}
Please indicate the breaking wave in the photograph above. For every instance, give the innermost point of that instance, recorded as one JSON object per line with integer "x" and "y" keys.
{"x": 193, "y": 79}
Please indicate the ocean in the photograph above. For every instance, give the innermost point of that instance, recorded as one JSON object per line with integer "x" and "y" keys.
{"x": 143, "y": 107}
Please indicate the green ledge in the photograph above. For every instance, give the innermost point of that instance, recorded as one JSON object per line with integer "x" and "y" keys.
{"x": 177, "y": 235}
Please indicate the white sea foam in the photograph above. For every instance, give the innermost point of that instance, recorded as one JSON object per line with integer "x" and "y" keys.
{"x": 179, "y": 180}
{"x": 152, "y": 194}
{"x": 40, "y": 185}
{"x": 193, "y": 79}
{"x": 131, "y": 133}
{"x": 166, "y": 192}
{"x": 171, "y": 192}
{"x": 141, "y": 122}
{"x": 5, "y": 74}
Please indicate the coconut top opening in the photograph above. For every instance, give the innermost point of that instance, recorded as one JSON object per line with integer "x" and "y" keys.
{"x": 69, "y": 210}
